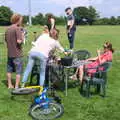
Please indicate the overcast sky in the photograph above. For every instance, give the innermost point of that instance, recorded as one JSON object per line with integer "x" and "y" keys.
{"x": 105, "y": 8}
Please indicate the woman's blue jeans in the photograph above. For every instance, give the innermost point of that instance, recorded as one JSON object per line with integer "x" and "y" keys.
{"x": 43, "y": 61}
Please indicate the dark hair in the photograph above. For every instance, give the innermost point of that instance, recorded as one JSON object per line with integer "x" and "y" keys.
{"x": 68, "y": 8}
{"x": 54, "y": 34}
{"x": 50, "y": 16}
{"x": 108, "y": 45}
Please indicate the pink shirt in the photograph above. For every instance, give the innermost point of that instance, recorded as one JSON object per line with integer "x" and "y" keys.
{"x": 107, "y": 56}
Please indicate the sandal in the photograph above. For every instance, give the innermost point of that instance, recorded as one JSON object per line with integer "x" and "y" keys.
{"x": 10, "y": 87}
{"x": 73, "y": 77}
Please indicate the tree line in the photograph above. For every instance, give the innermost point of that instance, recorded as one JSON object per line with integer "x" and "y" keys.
{"x": 83, "y": 16}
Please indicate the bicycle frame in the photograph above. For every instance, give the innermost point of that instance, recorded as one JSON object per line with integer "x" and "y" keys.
{"x": 42, "y": 97}
{"x": 40, "y": 88}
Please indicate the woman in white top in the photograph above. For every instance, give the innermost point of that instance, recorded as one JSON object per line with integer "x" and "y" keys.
{"x": 41, "y": 49}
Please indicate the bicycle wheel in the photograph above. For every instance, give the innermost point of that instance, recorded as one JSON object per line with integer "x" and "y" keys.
{"x": 24, "y": 91}
{"x": 54, "y": 110}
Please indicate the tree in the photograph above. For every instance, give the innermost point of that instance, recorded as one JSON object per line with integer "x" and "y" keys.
{"x": 80, "y": 13}
{"x": 113, "y": 21}
{"x": 60, "y": 20}
{"x": 102, "y": 21}
{"x": 84, "y": 15}
{"x": 25, "y": 19}
{"x": 92, "y": 15}
{"x": 5, "y": 15}
{"x": 118, "y": 20}
{"x": 38, "y": 19}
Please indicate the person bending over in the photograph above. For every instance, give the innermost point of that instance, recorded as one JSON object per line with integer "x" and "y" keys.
{"x": 41, "y": 49}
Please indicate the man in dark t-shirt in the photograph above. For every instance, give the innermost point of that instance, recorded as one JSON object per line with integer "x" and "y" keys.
{"x": 71, "y": 28}
{"x": 14, "y": 38}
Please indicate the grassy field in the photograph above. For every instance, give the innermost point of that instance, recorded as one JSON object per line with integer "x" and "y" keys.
{"x": 76, "y": 107}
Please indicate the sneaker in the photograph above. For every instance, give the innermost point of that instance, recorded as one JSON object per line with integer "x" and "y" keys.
{"x": 23, "y": 85}
{"x": 16, "y": 87}
{"x": 73, "y": 77}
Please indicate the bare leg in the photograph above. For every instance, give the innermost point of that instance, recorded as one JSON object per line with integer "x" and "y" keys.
{"x": 17, "y": 81}
{"x": 77, "y": 71}
{"x": 81, "y": 73}
{"x": 9, "y": 78}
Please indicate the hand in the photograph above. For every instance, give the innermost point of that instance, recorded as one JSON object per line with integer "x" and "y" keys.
{"x": 23, "y": 35}
{"x": 19, "y": 41}
{"x": 98, "y": 51}
{"x": 86, "y": 60}
{"x": 65, "y": 53}
{"x": 58, "y": 59}
{"x": 68, "y": 31}
{"x": 33, "y": 43}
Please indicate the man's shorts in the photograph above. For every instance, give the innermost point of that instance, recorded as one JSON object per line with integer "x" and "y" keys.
{"x": 15, "y": 65}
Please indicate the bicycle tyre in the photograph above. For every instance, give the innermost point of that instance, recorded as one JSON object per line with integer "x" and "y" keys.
{"x": 24, "y": 91}
{"x": 43, "y": 115}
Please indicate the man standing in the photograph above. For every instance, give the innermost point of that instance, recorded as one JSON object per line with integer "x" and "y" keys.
{"x": 71, "y": 28}
{"x": 14, "y": 38}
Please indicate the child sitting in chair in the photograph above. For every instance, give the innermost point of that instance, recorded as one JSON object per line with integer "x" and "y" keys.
{"x": 106, "y": 56}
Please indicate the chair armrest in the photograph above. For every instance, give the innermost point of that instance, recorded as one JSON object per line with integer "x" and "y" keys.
{"x": 86, "y": 69}
{"x": 106, "y": 66}
{"x": 101, "y": 69}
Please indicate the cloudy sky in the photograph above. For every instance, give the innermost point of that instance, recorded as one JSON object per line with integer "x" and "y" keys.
{"x": 105, "y": 8}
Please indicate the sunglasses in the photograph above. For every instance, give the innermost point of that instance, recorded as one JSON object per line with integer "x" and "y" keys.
{"x": 67, "y": 13}
{"x": 104, "y": 46}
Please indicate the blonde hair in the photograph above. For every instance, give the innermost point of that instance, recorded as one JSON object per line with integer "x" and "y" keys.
{"x": 15, "y": 18}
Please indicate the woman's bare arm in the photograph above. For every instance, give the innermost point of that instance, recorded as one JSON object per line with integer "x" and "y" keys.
{"x": 92, "y": 59}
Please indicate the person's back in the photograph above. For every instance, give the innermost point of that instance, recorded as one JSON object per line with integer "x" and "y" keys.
{"x": 44, "y": 44}
{"x": 12, "y": 34}
{"x": 41, "y": 49}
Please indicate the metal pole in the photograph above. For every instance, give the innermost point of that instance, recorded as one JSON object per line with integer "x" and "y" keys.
{"x": 29, "y": 8}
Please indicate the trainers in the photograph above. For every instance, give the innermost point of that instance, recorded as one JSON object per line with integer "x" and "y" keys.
{"x": 73, "y": 77}
{"x": 23, "y": 85}
{"x": 16, "y": 87}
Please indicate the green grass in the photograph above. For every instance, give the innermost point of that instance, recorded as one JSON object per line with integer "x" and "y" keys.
{"x": 76, "y": 107}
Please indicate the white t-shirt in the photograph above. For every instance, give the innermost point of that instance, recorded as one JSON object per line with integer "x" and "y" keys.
{"x": 52, "y": 23}
{"x": 44, "y": 44}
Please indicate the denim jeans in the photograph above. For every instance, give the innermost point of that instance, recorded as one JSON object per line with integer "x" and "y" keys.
{"x": 15, "y": 65}
{"x": 43, "y": 61}
{"x": 71, "y": 36}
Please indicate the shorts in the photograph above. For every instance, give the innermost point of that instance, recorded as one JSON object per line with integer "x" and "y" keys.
{"x": 15, "y": 65}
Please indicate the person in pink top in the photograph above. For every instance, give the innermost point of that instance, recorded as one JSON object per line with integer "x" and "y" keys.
{"x": 102, "y": 57}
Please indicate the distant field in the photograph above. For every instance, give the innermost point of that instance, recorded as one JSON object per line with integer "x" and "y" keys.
{"x": 76, "y": 107}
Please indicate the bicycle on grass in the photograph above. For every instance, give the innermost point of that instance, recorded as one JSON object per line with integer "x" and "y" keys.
{"x": 43, "y": 107}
